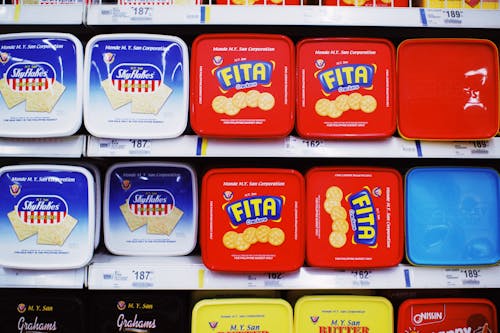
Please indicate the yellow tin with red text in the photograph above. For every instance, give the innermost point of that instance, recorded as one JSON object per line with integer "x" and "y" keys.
{"x": 242, "y": 85}
{"x": 251, "y": 220}
{"x": 354, "y": 217}
{"x": 242, "y": 315}
{"x": 343, "y": 314}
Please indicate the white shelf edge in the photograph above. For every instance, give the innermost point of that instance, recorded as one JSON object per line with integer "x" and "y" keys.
{"x": 105, "y": 14}
{"x": 71, "y": 146}
{"x": 56, "y": 279}
{"x": 188, "y": 273}
{"x": 59, "y": 14}
{"x": 292, "y": 146}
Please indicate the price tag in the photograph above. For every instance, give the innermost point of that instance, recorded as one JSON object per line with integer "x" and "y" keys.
{"x": 140, "y": 13}
{"x": 266, "y": 280}
{"x": 127, "y": 278}
{"x": 117, "y": 147}
{"x": 361, "y": 278}
{"x": 435, "y": 17}
{"x": 304, "y": 147}
{"x": 468, "y": 277}
{"x": 480, "y": 148}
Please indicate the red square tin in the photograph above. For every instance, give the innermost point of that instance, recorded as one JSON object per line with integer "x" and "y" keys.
{"x": 345, "y": 88}
{"x": 242, "y": 85}
{"x": 448, "y": 89}
{"x": 354, "y": 217}
{"x": 368, "y": 3}
{"x": 442, "y": 315}
{"x": 252, "y": 220}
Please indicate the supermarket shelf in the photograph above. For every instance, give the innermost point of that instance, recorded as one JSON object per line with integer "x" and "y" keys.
{"x": 72, "y": 146}
{"x": 188, "y": 273}
{"x": 105, "y": 14}
{"x": 192, "y": 146}
{"x": 60, "y": 279}
{"x": 42, "y": 14}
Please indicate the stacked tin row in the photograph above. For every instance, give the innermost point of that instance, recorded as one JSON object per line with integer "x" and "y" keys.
{"x": 248, "y": 86}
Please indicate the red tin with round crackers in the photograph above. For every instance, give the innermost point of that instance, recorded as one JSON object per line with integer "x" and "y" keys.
{"x": 252, "y": 220}
{"x": 448, "y": 89}
{"x": 345, "y": 88}
{"x": 242, "y": 85}
{"x": 442, "y": 315}
{"x": 354, "y": 217}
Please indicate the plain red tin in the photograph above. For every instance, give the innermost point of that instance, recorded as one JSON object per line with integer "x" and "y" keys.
{"x": 354, "y": 217}
{"x": 345, "y": 88}
{"x": 242, "y": 85}
{"x": 448, "y": 89}
{"x": 464, "y": 315}
{"x": 252, "y": 220}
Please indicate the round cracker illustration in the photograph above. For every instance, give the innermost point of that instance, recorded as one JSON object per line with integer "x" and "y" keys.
{"x": 322, "y": 106}
{"x": 341, "y": 226}
{"x": 218, "y": 104}
{"x": 368, "y": 104}
{"x": 263, "y": 233}
{"x": 252, "y": 98}
{"x": 276, "y": 236}
{"x": 354, "y": 101}
{"x": 266, "y": 101}
{"x": 229, "y": 239}
{"x": 334, "y": 193}
{"x": 240, "y": 100}
{"x": 337, "y": 239}
{"x": 241, "y": 243}
{"x": 250, "y": 235}
{"x": 338, "y": 213}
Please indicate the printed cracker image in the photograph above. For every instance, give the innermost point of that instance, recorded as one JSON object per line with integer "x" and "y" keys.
{"x": 134, "y": 222}
{"x": 11, "y": 97}
{"x": 56, "y": 234}
{"x": 164, "y": 225}
{"x": 152, "y": 102}
{"x": 22, "y": 230}
{"x": 115, "y": 97}
{"x": 44, "y": 101}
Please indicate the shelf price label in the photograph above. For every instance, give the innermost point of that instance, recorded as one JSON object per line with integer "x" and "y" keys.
{"x": 439, "y": 17}
{"x": 122, "y": 147}
{"x": 266, "y": 280}
{"x": 468, "y": 277}
{"x": 361, "y": 278}
{"x": 305, "y": 147}
{"x": 481, "y": 148}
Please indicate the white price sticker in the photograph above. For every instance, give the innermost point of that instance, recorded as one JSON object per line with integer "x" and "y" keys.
{"x": 139, "y": 147}
{"x": 127, "y": 278}
{"x": 469, "y": 277}
{"x": 435, "y": 17}
{"x": 142, "y": 278}
{"x": 122, "y": 147}
{"x": 361, "y": 278}
{"x": 266, "y": 280}
{"x": 302, "y": 146}
{"x": 473, "y": 148}
{"x": 140, "y": 13}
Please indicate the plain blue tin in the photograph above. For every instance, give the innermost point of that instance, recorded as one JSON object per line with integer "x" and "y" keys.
{"x": 452, "y": 216}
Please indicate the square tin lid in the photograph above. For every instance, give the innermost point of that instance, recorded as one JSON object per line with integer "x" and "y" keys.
{"x": 251, "y": 220}
{"x": 354, "y": 217}
{"x": 346, "y": 88}
{"x": 429, "y": 315}
{"x": 452, "y": 216}
{"x": 448, "y": 89}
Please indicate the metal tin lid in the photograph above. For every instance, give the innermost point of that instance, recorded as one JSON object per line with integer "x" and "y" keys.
{"x": 354, "y": 217}
{"x": 150, "y": 208}
{"x": 335, "y": 313}
{"x": 346, "y": 88}
{"x": 48, "y": 216}
{"x": 136, "y": 86}
{"x": 429, "y": 315}
{"x": 40, "y": 84}
{"x": 242, "y": 315}
{"x": 452, "y": 216}
{"x": 251, "y": 220}
{"x": 448, "y": 89}
{"x": 242, "y": 85}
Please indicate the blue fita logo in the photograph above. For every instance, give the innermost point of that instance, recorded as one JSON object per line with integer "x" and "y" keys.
{"x": 346, "y": 77}
{"x": 363, "y": 217}
{"x": 253, "y": 210}
{"x": 245, "y": 74}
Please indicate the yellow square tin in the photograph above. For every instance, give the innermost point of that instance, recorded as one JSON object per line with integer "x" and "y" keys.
{"x": 256, "y": 315}
{"x": 336, "y": 313}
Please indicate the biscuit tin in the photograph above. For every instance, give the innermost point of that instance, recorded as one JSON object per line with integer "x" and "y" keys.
{"x": 354, "y": 217}
{"x": 448, "y": 89}
{"x": 150, "y": 208}
{"x": 47, "y": 216}
{"x": 345, "y": 88}
{"x": 136, "y": 86}
{"x": 428, "y": 315}
{"x": 242, "y": 85}
{"x": 245, "y": 315}
{"x": 41, "y": 311}
{"x": 452, "y": 216}
{"x": 251, "y": 220}
{"x": 40, "y": 85}
{"x": 336, "y": 313}
{"x": 128, "y": 311}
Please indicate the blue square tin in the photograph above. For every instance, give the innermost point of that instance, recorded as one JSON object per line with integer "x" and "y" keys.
{"x": 452, "y": 216}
